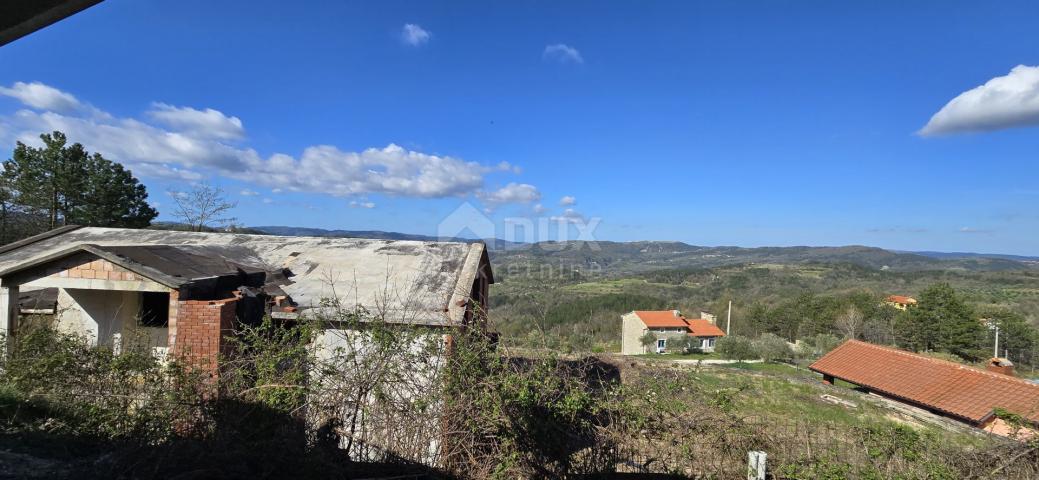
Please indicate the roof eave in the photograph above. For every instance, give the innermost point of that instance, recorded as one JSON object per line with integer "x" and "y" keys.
{"x": 150, "y": 273}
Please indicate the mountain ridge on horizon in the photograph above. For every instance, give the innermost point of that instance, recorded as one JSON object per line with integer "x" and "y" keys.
{"x": 686, "y": 255}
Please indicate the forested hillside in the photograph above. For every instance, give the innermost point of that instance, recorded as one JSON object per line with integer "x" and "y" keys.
{"x": 581, "y": 309}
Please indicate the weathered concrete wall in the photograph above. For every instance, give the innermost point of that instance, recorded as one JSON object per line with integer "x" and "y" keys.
{"x": 108, "y": 318}
{"x": 404, "y": 418}
{"x": 632, "y": 329}
{"x": 101, "y": 315}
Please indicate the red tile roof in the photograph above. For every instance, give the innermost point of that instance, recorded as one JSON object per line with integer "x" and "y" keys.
{"x": 957, "y": 390}
{"x": 901, "y": 299}
{"x": 661, "y": 319}
{"x": 702, "y": 328}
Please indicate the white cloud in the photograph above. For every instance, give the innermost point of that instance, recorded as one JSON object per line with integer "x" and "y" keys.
{"x": 562, "y": 53}
{"x": 512, "y": 193}
{"x": 570, "y": 215}
{"x": 539, "y": 209}
{"x": 567, "y": 201}
{"x": 41, "y": 96}
{"x": 200, "y": 123}
{"x": 356, "y": 204}
{"x": 186, "y": 144}
{"x": 1002, "y": 102}
{"x": 414, "y": 35}
{"x": 268, "y": 201}
{"x": 508, "y": 167}
{"x": 391, "y": 170}
{"x": 973, "y": 230}
{"x": 248, "y": 193}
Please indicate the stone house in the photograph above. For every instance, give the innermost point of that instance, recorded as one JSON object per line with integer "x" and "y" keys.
{"x": 669, "y": 327}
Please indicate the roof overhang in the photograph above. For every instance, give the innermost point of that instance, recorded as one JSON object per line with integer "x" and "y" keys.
{"x": 144, "y": 270}
{"x": 19, "y": 18}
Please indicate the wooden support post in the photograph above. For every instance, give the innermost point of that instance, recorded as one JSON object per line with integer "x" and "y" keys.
{"x": 756, "y": 465}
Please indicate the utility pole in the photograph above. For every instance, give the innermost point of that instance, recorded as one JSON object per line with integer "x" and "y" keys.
{"x": 995, "y": 350}
{"x": 728, "y": 320}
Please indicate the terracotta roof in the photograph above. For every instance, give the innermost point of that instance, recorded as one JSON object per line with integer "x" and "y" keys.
{"x": 957, "y": 390}
{"x": 702, "y": 328}
{"x": 660, "y": 318}
{"x": 901, "y": 299}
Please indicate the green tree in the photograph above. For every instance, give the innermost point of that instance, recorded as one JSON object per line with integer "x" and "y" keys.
{"x": 1016, "y": 337}
{"x": 6, "y": 207}
{"x": 817, "y": 346}
{"x": 941, "y": 321}
{"x": 117, "y": 199}
{"x": 648, "y": 340}
{"x": 770, "y": 347}
{"x": 735, "y": 347}
{"x": 67, "y": 185}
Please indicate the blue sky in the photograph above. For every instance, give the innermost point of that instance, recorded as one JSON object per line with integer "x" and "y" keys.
{"x": 726, "y": 123}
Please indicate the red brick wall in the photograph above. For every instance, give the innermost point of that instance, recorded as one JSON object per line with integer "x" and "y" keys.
{"x": 89, "y": 266}
{"x": 199, "y": 331}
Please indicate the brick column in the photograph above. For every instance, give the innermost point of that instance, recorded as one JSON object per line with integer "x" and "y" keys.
{"x": 199, "y": 331}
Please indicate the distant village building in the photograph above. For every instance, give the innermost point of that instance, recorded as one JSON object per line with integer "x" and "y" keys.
{"x": 952, "y": 390}
{"x": 900, "y": 302}
{"x": 669, "y": 328}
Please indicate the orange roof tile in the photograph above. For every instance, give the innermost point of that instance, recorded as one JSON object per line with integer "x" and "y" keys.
{"x": 660, "y": 318}
{"x": 901, "y": 299}
{"x": 702, "y": 328}
{"x": 957, "y": 390}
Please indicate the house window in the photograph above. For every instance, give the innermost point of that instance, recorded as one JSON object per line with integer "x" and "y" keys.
{"x": 708, "y": 343}
{"x": 155, "y": 309}
{"x": 661, "y": 344}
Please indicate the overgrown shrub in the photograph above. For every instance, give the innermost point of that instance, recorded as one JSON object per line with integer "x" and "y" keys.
{"x": 735, "y": 347}
{"x": 816, "y": 346}
{"x": 126, "y": 397}
{"x": 392, "y": 395}
{"x": 771, "y": 347}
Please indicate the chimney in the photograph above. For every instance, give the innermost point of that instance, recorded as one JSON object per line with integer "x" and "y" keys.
{"x": 713, "y": 320}
{"x": 1001, "y": 366}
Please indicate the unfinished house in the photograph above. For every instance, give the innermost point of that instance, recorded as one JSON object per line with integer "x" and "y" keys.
{"x": 181, "y": 293}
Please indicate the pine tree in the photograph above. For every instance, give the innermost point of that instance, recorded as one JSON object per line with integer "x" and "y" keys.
{"x": 67, "y": 185}
{"x": 941, "y": 321}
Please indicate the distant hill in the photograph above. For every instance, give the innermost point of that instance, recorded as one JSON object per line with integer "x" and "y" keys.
{"x": 625, "y": 257}
{"x": 945, "y": 255}
{"x": 631, "y": 257}
{"x": 492, "y": 243}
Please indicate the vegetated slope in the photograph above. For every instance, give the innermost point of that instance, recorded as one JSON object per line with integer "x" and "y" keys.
{"x": 582, "y": 311}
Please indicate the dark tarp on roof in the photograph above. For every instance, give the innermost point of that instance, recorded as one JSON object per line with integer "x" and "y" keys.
{"x": 203, "y": 262}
